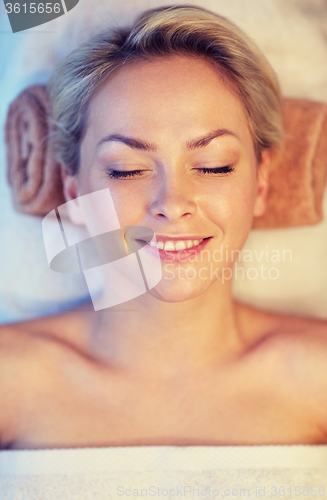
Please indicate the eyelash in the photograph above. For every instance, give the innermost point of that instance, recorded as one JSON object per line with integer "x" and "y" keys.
{"x": 217, "y": 170}
{"x": 117, "y": 174}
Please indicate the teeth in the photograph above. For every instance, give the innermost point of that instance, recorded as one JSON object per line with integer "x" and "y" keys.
{"x": 180, "y": 245}
{"x": 171, "y": 246}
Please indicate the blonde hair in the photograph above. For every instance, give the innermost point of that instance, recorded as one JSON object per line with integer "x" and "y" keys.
{"x": 162, "y": 32}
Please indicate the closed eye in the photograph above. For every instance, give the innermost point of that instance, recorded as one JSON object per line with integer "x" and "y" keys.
{"x": 123, "y": 174}
{"x": 216, "y": 170}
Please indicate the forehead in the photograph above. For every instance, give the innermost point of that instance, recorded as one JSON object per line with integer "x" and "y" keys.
{"x": 185, "y": 95}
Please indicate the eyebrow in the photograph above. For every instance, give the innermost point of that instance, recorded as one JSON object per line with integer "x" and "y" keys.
{"x": 129, "y": 141}
{"x": 201, "y": 142}
{"x": 134, "y": 143}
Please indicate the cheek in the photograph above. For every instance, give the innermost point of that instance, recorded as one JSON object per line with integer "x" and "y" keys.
{"x": 130, "y": 201}
{"x": 231, "y": 206}
{"x": 128, "y": 204}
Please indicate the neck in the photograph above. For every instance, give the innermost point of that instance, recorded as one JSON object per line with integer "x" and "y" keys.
{"x": 150, "y": 335}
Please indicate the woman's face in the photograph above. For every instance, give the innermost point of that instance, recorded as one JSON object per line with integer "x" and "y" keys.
{"x": 170, "y": 140}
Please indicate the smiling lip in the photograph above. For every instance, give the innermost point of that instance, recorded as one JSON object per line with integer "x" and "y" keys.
{"x": 160, "y": 237}
{"x": 178, "y": 255}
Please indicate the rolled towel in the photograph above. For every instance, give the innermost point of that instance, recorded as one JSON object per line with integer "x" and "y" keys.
{"x": 32, "y": 170}
{"x": 298, "y": 175}
{"x": 297, "y": 178}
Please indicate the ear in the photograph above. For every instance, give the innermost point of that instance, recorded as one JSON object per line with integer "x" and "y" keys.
{"x": 72, "y": 205}
{"x": 262, "y": 184}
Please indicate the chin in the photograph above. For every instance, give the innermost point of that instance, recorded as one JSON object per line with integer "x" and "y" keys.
{"x": 177, "y": 291}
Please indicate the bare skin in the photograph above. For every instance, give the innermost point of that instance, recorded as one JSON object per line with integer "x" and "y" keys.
{"x": 181, "y": 364}
{"x": 271, "y": 391}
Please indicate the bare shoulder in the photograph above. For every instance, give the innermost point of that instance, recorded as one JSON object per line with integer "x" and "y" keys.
{"x": 68, "y": 327}
{"x": 29, "y": 354}
{"x": 15, "y": 342}
{"x": 304, "y": 344}
{"x": 301, "y": 341}
{"x": 296, "y": 347}
{"x": 259, "y": 326}
{"x": 20, "y": 348}
{"x": 18, "y": 340}
{"x": 30, "y": 346}
{"x": 307, "y": 339}
{"x": 13, "y": 360}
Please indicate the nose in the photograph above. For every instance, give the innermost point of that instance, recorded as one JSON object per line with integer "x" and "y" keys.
{"x": 173, "y": 200}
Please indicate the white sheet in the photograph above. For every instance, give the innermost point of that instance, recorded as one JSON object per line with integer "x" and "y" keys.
{"x": 103, "y": 473}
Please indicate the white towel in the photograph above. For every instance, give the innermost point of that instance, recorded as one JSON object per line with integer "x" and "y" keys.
{"x": 296, "y": 471}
